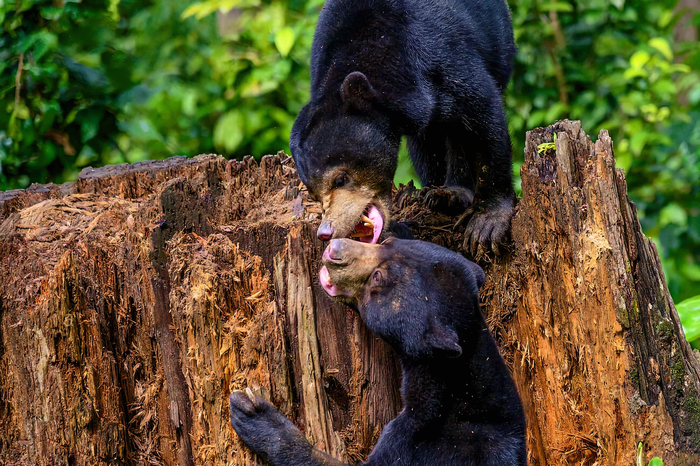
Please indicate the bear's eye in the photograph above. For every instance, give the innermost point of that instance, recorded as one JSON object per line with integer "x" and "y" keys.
{"x": 377, "y": 277}
{"x": 340, "y": 181}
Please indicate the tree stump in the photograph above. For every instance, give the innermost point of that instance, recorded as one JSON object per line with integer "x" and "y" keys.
{"x": 134, "y": 300}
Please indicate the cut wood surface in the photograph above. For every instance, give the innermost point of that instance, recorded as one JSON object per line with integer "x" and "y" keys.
{"x": 134, "y": 300}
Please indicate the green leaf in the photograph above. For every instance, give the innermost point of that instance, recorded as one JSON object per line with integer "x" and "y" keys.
{"x": 114, "y": 10}
{"x": 673, "y": 213}
{"x": 86, "y": 156}
{"x": 88, "y": 129}
{"x": 24, "y": 5}
{"x": 199, "y": 10}
{"x": 689, "y": 312}
{"x": 90, "y": 119}
{"x": 623, "y": 160}
{"x": 21, "y": 111}
{"x": 692, "y": 271}
{"x": 194, "y": 9}
{"x": 229, "y": 131}
{"x": 679, "y": 68}
{"x": 666, "y": 18}
{"x": 556, "y": 6}
{"x": 205, "y": 8}
{"x": 284, "y": 41}
{"x": 637, "y": 142}
{"x": 694, "y": 95}
{"x": 619, "y": 4}
{"x": 664, "y": 86}
{"x": 51, "y": 13}
{"x": 631, "y": 73}
{"x": 662, "y": 46}
{"x": 43, "y": 42}
{"x": 639, "y": 59}
{"x": 656, "y": 461}
{"x": 189, "y": 102}
{"x": 49, "y": 116}
{"x": 227, "y": 5}
{"x": 555, "y": 112}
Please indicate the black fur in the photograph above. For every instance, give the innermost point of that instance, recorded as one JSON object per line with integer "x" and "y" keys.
{"x": 460, "y": 405}
{"x": 433, "y": 70}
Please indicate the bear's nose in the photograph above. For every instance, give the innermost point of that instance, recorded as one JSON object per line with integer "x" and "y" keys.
{"x": 325, "y": 231}
{"x": 334, "y": 250}
{"x": 333, "y": 255}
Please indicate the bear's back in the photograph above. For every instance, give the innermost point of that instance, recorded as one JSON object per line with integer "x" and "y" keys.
{"x": 399, "y": 37}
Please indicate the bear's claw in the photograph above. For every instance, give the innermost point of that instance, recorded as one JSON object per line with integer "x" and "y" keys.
{"x": 488, "y": 228}
{"x": 241, "y": 401}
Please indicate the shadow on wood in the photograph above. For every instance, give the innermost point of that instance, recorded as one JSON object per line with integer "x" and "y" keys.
{"x": 133, "y": 301}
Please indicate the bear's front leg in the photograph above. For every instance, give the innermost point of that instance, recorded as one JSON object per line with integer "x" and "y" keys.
{"x": 270, "y": 435}
{"x": 488, "y": 227}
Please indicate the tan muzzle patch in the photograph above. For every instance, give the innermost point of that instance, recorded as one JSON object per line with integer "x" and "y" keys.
{"x": 347, "y": 265}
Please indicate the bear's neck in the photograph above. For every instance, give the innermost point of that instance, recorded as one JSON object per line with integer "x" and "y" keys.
{"x": 475, "y": 387}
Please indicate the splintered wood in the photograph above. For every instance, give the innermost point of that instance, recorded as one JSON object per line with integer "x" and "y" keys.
{"x": 134, "y": 300}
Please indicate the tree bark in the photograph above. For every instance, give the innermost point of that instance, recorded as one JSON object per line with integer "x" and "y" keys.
{"x": 134, "y": 300}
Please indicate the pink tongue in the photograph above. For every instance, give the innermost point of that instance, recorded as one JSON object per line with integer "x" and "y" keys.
{"x": 378, "y": 222}
{"x": 331, "y": 289}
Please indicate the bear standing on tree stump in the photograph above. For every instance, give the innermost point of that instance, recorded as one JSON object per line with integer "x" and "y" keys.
{"x": 432, "y": 70}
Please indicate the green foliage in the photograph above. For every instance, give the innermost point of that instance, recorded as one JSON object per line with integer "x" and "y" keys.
{"x": 123, "y": 81}
{"x": 64, "y": 103}
{"x": 613, "y": 66}
{"x": 111, "y": 81}
{"x": 261, "y": 63}
{"x": 689, "y": 312}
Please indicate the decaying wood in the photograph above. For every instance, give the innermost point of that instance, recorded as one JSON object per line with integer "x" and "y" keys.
{"x": 134, "y": 300}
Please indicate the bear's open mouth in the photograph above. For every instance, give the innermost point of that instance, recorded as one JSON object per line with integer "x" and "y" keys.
{"x": 370, "y": 226}
{"x": 328, "y": 285}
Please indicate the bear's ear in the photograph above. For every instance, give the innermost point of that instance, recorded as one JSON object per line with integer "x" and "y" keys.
{"x": 356, "y": 90}
{"x": 442, "y": 339}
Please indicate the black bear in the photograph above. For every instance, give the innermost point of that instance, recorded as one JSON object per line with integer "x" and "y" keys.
{"x": 460, "y": 405}
{"x": 432, "y": 70}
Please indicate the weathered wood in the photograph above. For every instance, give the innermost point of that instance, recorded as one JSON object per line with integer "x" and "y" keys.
{"x": 134, "y": 300}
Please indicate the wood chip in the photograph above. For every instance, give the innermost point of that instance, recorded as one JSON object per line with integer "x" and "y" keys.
{"x": 254, "y": 296}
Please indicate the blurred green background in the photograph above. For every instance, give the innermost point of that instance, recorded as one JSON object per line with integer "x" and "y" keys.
{"x": 88, "y": 83}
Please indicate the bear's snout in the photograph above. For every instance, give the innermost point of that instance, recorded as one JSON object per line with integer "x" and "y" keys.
{"x": 346, "y": 252}
{"x": 347, "y": 264}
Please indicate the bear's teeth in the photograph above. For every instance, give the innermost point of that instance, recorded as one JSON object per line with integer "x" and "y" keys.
{"x": 367, "y": 221}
